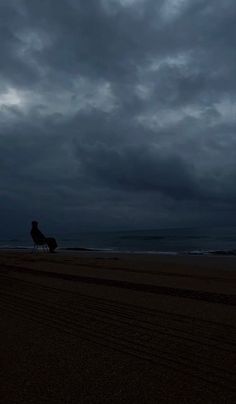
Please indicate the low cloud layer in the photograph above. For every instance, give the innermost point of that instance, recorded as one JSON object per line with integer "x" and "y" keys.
{"x": 117, "y": 113}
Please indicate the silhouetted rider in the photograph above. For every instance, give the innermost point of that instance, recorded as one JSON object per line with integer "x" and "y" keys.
{"x": 39, "y": 238}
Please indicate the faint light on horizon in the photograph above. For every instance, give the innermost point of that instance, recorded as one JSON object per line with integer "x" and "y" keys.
{"x": 11, "y": 97}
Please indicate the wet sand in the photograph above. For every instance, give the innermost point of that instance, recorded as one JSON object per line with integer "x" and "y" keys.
{"x": 108, "y": 328}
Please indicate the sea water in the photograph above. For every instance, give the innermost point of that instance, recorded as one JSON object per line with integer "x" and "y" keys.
{"x": 220, "y": 240}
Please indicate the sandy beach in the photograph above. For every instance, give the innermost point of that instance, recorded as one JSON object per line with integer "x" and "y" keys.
{"x": 110, "y": 328}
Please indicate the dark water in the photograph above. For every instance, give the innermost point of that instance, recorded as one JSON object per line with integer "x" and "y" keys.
{"x": 175, "y": 241}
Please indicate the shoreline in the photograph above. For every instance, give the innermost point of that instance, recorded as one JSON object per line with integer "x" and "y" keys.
{"x": 194, "y": 253}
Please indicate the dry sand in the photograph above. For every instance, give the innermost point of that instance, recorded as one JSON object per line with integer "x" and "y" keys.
{"x": 108, "y": 328}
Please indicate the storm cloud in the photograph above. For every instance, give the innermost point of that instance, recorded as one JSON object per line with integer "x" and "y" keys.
{"x": 117, "y": 113}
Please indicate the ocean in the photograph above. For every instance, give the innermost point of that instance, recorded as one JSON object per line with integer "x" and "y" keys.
{"x": 217, "y": 240}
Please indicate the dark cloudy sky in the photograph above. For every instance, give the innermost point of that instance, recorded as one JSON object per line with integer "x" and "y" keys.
{"x": 117, "y": 113}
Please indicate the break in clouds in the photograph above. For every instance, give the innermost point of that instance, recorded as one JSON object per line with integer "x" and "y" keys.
{"x": 117, "y": 113}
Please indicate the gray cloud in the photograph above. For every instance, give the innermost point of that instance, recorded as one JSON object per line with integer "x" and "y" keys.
{"x": 117, "y": 113}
